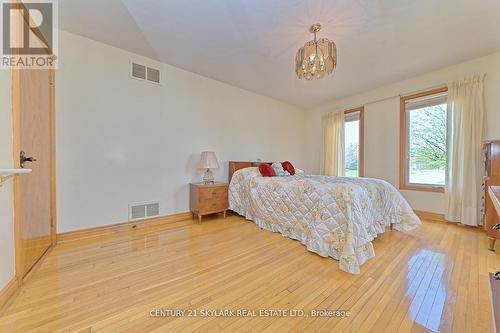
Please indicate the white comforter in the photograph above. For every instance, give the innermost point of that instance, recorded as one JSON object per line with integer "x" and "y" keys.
{"x": 332, "y": 216}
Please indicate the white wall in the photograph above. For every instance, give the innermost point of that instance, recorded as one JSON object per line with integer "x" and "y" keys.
{"x": 382, "y": 123}
{"x": 120, "y": 140}
{"x": 7, "y": 253}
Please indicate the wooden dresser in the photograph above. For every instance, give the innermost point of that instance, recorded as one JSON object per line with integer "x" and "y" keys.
{"x": 495, "y": 301}
{"x": 208, "y": 199}
{"x": 492, "y": 178}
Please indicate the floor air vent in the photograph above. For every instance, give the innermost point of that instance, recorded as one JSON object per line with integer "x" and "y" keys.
{"x": 143, "y": 210}
{"x": 144, "y": 73}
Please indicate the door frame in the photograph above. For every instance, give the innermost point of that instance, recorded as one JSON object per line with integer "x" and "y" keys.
{"x": 16, "y": 148}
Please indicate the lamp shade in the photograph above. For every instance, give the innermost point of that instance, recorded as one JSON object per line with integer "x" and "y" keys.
{"x": 208, "y": 160}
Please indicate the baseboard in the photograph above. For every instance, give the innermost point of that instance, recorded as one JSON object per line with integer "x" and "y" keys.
{"x": 35, "y": 267}
{"x": 429, "y": 216}
{"x": 7, "y": 292}
{"x": 117, "y": 228}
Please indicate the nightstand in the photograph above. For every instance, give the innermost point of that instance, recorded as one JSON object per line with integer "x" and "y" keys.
{"x": 208, "y": 199}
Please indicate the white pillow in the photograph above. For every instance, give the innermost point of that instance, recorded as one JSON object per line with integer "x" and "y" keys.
{"x": 299, "y": 171}
{"x": 278, "y": 168}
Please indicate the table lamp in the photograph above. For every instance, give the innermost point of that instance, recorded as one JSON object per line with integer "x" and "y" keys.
{"x": 208, "y": 161}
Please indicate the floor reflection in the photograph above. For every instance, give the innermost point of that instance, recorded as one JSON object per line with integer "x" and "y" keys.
{"x": 141, "y": 242}
{"x": 427, "y": 289}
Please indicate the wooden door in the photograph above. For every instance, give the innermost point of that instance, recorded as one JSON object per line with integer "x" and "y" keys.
{"x": 33, "y": 109}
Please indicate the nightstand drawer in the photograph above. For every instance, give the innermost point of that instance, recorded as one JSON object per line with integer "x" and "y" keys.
{"x": 214, "y": 198}
{"x": 213, "y": 193}
{"x": 213, "y": 205}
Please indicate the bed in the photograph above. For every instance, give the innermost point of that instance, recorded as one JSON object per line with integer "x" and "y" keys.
{"x": 336, "y": 217}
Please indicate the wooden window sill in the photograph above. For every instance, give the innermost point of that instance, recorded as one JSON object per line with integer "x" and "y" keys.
{"x": 422, "y": 188}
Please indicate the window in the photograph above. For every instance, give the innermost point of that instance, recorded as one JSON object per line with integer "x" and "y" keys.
{"x": 353, "y": 131}
{"x": 424, "y": 132}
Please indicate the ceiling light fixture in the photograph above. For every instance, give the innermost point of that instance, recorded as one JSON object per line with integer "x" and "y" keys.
{"x": 316, "y": 57}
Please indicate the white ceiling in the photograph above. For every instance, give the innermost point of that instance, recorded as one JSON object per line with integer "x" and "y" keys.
{"x": 251, "y": 44}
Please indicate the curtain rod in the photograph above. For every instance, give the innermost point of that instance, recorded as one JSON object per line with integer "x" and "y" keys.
{"x": 401, "y": 94}
{"x": 385, "y": 99}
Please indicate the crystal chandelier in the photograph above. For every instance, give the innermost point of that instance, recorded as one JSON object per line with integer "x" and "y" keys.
{"x": 316, "y": 57}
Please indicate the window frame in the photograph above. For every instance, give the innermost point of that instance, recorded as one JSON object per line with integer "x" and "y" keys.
{"x": 361, "y": 111}
{"x": 403, "y": 143}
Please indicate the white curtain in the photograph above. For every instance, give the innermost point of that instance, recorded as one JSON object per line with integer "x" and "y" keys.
{"x": 464, "y": 174}
{"x": 332, "y": 159}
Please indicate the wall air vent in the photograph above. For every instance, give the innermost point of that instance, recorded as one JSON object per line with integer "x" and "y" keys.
{"x": 138, "y": 71}
{"x": 139, "y": 211}
{"x": 153, "y": 209}
{"x": 153, "y": 75}
{"x": 142, "y": 72}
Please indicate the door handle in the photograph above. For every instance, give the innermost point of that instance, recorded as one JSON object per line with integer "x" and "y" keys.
{"x": 23, "y": 158}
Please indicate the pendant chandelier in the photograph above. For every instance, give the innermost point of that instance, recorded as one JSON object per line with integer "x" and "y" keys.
{"x": 316, "y": 57}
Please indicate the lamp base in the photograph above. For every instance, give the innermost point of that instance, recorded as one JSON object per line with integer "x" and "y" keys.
{"x": 208, "y": 177}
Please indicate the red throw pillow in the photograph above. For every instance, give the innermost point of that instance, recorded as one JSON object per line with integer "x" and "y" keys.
{"x": 266, "y": 170}
{"x": 287, "y": 166}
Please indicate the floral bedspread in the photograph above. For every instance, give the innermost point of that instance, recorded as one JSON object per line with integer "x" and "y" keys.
{"x": 334, "y": 217}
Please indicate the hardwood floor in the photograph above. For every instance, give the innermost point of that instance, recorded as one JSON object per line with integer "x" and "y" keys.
{"x": 432, "y": 279}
